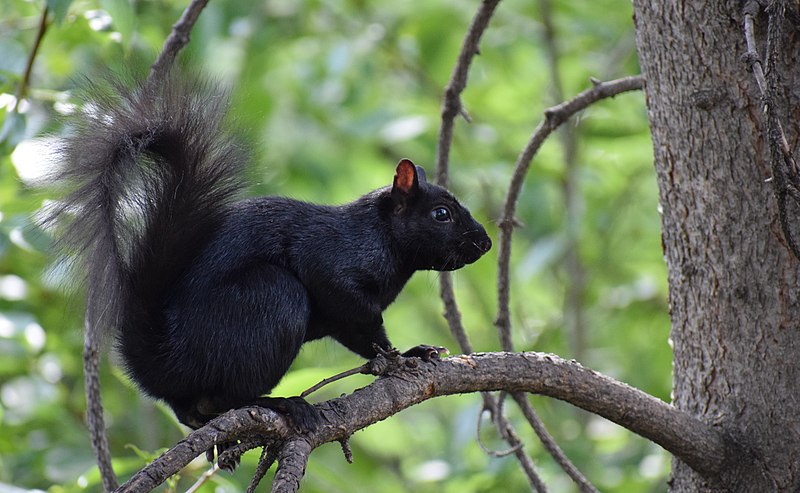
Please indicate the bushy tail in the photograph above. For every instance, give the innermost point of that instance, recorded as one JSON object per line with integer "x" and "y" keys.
{"x": 151, "y": 171}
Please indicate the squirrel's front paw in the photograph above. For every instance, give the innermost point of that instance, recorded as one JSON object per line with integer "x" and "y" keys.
{"x": 426, "y": 352}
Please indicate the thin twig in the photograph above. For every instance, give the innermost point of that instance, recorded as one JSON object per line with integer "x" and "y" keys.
{"x": 553, "y": 118}
{"x": 22, "y": 90}
{"x": 177, "y": 39}
{"x": 353, "y": 371}
{"x": 346, "y": 450}
{"x": 452, "y": 107}
{"x": 483, "y": 446}
{"x": 451, "y": 103}
{"x": 203, "y": 479}
{"x": 452, "y": 314}
{"x": 509, "y": 434}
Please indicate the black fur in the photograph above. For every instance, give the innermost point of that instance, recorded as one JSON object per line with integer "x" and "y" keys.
{"x": 210, "y": 298}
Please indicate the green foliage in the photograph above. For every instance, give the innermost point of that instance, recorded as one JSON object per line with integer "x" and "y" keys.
{"x": 330, "y": 95}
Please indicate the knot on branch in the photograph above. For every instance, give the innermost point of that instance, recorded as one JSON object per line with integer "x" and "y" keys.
{"x": 509, "y": 223}
{"x": 751, "y": 7}
{"x": 750, "y": 58}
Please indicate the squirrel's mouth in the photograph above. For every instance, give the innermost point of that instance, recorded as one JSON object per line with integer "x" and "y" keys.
{"x": 465, "y": 255}
{"x": 450, "y": 266}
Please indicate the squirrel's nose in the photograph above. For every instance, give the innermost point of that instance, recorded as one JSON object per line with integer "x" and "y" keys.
{"x": 485, "y": 245}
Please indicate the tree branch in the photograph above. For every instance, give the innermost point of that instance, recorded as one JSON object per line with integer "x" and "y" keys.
{"x": 553, "y": 118}
{"x": 95, "y": 420}
{"x": 177, "y": 39}
{"x": 407, "y": 382}
{"x": 509, "y": 434}
{"x": 230, "y": 426}
{"x": 292, "y": 460}
{"x": 22, "y": 90}
{"x": 452, "y": 107}
{"x": 451, "y": 103}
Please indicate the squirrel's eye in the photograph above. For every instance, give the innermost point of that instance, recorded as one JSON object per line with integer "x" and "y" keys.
{"x": 441, "y": 214}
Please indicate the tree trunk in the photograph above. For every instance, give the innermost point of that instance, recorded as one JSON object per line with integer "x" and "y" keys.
{"x": 734, "y": 294}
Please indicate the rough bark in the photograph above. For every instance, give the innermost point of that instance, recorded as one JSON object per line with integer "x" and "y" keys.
{"x": 734, "y": 297}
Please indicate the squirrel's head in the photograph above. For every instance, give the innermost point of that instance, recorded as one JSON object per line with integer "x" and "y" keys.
{"x": 435, "y": 231}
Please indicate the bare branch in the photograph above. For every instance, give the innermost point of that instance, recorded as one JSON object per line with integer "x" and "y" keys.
{"x": 452, "y": 314}
{"x": 94, "y": 404}
{"x": 509, "y": 434}
{"x": 574, "y": 296}
{"x": 22, "y": 90}
{"x": 452, "y": 107}
{"x": 409, "y": 382}
{"x": 451, "y": 104}
{"x": 553, "y": 118}
{"x": 329, "y": 380}
{"x": 177, "y": 39}
{"x": 268, "y": 456}
{"x": 483, "y": 446}
{"x": 203, "y": 479}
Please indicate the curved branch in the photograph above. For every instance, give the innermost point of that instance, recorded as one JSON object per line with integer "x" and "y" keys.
{"x": 553, "y": 118}
{"x": 408, "y": 382}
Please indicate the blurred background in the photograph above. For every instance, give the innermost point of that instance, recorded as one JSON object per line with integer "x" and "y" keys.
{"x": 330, "y": 95}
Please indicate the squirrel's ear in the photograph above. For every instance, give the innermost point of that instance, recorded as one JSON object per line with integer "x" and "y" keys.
{"x": 406, "y": 182}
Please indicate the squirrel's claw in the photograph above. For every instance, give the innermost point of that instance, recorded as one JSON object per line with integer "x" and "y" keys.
{"x": 426, "y": 352}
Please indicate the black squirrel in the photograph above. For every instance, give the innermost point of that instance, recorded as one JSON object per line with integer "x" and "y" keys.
{"x": 209, "y": 298}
